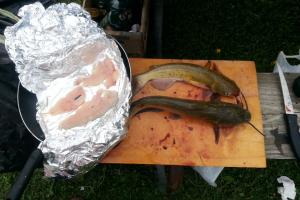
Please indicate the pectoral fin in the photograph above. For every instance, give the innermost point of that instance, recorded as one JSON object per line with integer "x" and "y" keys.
{"x": 217, "y": 133}
{"x": 208, "y": 64}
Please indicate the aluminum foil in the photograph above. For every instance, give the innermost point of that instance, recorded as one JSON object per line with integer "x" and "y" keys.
{"x": 52, "y": 49}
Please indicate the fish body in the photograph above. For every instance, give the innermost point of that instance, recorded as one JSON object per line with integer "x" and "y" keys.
{"x": 189, "y": 73}
{"x": 218, "y": 113}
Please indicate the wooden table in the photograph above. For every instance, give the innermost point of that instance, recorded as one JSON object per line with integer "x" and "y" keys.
{"x": 271, "y": 99}
{"x": 276, "y": 140}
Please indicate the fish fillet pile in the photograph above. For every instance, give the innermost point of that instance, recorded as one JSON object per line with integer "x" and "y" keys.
{"x": 83, "y": 98}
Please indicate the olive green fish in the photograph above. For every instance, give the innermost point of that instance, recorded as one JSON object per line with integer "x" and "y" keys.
{"x": 163, "y": 76}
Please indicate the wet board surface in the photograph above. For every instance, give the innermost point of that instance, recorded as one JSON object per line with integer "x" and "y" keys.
{"x": 167, "y": 139}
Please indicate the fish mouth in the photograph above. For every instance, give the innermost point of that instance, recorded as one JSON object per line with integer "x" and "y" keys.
{"x": 247, "y": 116}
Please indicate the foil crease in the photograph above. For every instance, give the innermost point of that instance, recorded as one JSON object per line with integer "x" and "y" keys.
{"x": 51, "y": 49}
{"x": 44, "y": 42}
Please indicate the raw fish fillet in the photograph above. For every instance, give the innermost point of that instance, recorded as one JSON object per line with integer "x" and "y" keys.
{"x": 102, "y": 72}
{"x": 96, "y": 107}
{"x": 70, "y": 102}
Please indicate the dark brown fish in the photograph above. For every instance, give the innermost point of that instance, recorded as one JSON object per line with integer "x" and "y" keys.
{"x": 218, "y": 113}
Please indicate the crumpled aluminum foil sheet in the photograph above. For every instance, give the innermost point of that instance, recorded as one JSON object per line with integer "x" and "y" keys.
{"x": 51, "y": 49}
{"x": 47, "y": 44}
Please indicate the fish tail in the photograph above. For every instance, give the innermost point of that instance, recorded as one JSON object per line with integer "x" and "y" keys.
{"x": 138, "y": 83}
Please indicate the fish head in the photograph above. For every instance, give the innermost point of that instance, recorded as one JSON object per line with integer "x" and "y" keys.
{"x": 228, "y": 89}
{"x": 244, "y": 115}
{"x": 235, "y": 91}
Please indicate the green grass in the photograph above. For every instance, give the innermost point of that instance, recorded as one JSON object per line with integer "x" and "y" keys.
{"x": 242, "y": 30}
{"x": 139, "y": 182}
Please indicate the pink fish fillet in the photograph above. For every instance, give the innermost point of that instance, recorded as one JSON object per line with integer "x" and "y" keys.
{"x": 96, "y": 107}
{"x": 103, "y": 72}
{"x": 70, "y": 102}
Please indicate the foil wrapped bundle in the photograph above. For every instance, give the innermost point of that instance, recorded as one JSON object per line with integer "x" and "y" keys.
{"x": 80, "y": 81}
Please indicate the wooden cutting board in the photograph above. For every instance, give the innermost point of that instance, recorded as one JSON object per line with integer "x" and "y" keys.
{"x": 167, "y": 139}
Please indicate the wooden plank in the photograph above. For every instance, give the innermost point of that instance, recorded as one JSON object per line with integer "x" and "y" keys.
{"x": 145, "y": 16}
{"x": 161, "y": 138}
{"x": 271, "y": 95}
{"x": 276, "y": 139}
{"x": 145, "y": 25}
